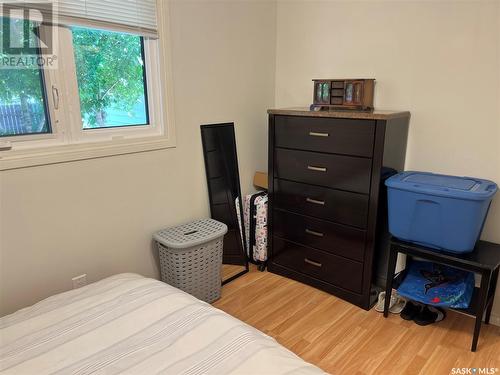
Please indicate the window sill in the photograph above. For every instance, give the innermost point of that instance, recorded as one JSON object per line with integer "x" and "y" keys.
{"x": 66, "y": 153}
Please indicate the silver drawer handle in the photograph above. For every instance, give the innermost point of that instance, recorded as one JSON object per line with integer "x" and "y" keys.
{"x": 316, "y": 134}
{"x": 314, "y": 201}
{"x": 317, "y": 169}
{"x": 313, "y": 263}
{"x": 314, "y": 233}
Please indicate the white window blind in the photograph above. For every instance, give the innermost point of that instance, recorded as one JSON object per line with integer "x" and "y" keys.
{"x": 136, "y": 16}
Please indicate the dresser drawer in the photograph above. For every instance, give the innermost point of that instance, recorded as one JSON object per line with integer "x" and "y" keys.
{"x": 333, "y": 238}
{"x": 336, "y": 171}
{"x": 318, "y": 264}
{"x": 335, "y": 205}
{"x": 340, "y": 136}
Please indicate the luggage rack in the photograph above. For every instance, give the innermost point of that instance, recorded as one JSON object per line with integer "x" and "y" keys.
{"x": 484, "y": 260}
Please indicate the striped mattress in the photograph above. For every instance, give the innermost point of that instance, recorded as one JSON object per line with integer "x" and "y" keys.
{"x": 129, "y": 324}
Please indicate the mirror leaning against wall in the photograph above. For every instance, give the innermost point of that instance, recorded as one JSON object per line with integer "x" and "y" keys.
{"x": 224, "y": 191}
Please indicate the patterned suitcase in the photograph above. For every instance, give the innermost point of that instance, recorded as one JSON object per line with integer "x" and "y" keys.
{"x": 255, "y": 218}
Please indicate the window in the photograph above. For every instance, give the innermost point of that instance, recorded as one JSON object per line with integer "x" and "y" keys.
{"x": 22, "y": 103}
{"x": 106, "y": 91}
{"x": 22, "y": 95}
{"x": 111, "y": 78}
{"x": 102, "y": 89}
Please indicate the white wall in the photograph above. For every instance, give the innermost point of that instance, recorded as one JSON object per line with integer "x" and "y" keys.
{"x": 440, "y": 60}
{"x": 97, "y": 216}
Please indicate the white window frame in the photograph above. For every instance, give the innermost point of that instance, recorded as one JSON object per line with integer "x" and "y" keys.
{"x": 68, "y": 141}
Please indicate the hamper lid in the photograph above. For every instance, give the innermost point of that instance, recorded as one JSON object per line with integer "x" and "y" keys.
{"x": 443, "y": 185}
{"x": 191, "y": 234}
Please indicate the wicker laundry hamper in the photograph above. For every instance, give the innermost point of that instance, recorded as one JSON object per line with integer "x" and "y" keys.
{"x": 191, "y": 257}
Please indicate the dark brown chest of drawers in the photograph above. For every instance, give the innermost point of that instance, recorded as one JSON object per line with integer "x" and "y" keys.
{"x": 327, "y": 212}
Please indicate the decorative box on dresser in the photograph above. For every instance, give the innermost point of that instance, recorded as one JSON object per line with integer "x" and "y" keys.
{"x": 327, "y": 213}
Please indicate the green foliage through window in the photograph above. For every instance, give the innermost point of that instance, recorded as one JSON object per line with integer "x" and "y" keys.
{"x": 111, "y": 78}
{"x": 22, "y": 94}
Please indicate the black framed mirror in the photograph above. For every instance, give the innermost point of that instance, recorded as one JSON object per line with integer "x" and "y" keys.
{"x": 224, "y": 191}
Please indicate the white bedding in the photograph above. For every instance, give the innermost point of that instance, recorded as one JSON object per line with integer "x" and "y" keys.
{"x": 128, "y": 324}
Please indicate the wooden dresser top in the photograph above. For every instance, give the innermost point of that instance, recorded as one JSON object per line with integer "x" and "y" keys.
{"x": 364, "y": 115}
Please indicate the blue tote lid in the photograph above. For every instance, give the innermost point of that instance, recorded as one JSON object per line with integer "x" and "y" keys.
{"x": 443, "y": 185}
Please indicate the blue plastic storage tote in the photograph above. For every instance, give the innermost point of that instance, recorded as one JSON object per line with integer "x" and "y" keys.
{"x": 438, "y": 211}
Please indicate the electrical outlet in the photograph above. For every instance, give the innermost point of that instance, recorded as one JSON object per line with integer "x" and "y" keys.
{"x": 79, "y": 281}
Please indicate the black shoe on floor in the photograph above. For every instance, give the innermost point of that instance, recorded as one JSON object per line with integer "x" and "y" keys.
{"x": 410, "y": 311}
{"x": 429, "y": 315}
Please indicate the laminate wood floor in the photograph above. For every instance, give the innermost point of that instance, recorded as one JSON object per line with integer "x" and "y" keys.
{"x": 343, "y": 339}
{"x": 229, "y": 270}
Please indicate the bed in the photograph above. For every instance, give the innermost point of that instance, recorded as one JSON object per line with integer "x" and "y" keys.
{"x": 129, "y": 324}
